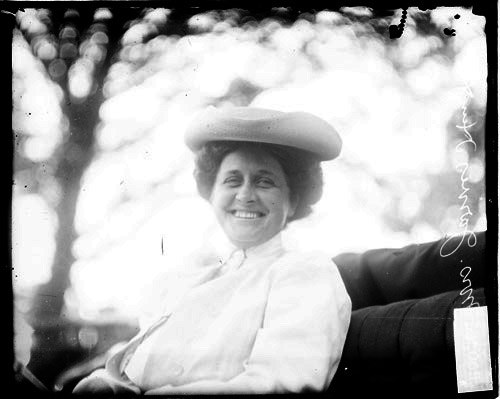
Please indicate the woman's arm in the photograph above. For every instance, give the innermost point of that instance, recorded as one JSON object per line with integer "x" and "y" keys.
{"x": 300, "y": 343}
{"x": 109, "y": 380}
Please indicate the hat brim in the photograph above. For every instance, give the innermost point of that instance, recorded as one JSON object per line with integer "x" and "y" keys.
{"x": 295, "y": 129}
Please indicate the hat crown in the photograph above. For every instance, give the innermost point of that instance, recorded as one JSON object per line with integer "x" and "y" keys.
{"x": 248, "y": 113}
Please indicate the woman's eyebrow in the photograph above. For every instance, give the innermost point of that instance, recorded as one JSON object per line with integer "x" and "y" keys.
{"x": 266, "y": 172}
{"x": 232, "y": 172}
{"x": 259, "y": 172}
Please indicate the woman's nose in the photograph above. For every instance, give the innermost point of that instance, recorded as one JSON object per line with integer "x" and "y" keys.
{"x": 246, "y": 193}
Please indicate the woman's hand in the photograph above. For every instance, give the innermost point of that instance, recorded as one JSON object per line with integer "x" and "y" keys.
{"x": 94, "y": 386}
{"x": 97, "y": 385}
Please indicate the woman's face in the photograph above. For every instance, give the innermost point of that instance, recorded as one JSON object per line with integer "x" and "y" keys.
{"x": 250, "y": 197}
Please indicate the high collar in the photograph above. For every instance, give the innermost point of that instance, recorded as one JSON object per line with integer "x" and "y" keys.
{"x": 270, "y": 248}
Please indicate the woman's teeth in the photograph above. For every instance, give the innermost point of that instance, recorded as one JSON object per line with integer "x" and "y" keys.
{"x": 247, "y": 215}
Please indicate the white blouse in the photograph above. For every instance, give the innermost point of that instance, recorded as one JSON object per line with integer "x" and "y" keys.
{"x": 263, "y": 320}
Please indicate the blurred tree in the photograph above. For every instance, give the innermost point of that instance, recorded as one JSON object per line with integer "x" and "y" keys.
{"x": 76, "y": 48}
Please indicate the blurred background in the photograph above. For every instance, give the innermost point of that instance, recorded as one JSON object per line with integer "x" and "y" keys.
{"x": 103, "y": 196}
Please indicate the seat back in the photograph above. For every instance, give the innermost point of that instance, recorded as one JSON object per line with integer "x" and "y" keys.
{"x": 382, "y": 276}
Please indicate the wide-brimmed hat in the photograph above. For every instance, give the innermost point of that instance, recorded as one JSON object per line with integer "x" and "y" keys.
{"x": 295, "y": 129}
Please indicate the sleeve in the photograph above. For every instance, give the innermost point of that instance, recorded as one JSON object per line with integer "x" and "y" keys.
{"x": 299, "y": 345}
{"x": 154, "y": 296}
{"x": 105, "y": 380}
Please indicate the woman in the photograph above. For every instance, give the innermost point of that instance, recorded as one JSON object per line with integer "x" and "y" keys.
{"x": 263, "y": 319}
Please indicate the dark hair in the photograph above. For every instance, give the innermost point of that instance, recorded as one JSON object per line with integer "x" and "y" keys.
{"x": 302, "y": 171}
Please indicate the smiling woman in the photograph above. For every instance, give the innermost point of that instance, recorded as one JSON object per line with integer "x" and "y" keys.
{"x": 264, "y": 318}
{"x": 251, "y": 198}
{"x": 261, "y": 171}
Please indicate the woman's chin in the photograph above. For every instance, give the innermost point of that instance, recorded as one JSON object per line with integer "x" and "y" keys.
{"x": 246, "y": 240}
{"x": 246, "y": 231}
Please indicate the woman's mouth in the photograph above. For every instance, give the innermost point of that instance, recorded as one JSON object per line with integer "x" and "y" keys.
{"x": 247, "y": 214}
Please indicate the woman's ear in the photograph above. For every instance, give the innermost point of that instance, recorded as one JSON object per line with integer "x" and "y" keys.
{"x": 294, "y": 202}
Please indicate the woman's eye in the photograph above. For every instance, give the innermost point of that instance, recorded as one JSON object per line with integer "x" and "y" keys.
{"x": 265, "y": 183}
{"x": 232, "y": 181}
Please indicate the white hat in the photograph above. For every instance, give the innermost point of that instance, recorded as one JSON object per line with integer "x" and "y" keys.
{"x": 295, "y": 129}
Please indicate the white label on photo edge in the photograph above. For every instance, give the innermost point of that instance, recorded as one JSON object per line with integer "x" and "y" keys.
{"x": 472, "y": 349}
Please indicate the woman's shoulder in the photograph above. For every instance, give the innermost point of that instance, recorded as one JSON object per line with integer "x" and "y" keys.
{"x": 313, "y": 256}
{"x": 312, "y": 272}
{"x": 311, "y": 262}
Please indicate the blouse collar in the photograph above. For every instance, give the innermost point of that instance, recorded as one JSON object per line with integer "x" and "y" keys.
{"x": 270, "y": 248}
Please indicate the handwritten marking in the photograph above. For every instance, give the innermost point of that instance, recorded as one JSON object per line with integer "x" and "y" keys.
{"x": 464, "y": 218}
{"x": 162, "y": 245}
{"x": 444, "y": 251}
{"x": 468, "y": 289}
{"x": 465, "y": 125}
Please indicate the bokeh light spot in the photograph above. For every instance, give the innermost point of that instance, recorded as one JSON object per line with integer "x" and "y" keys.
{"x": 57, "y": 68}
